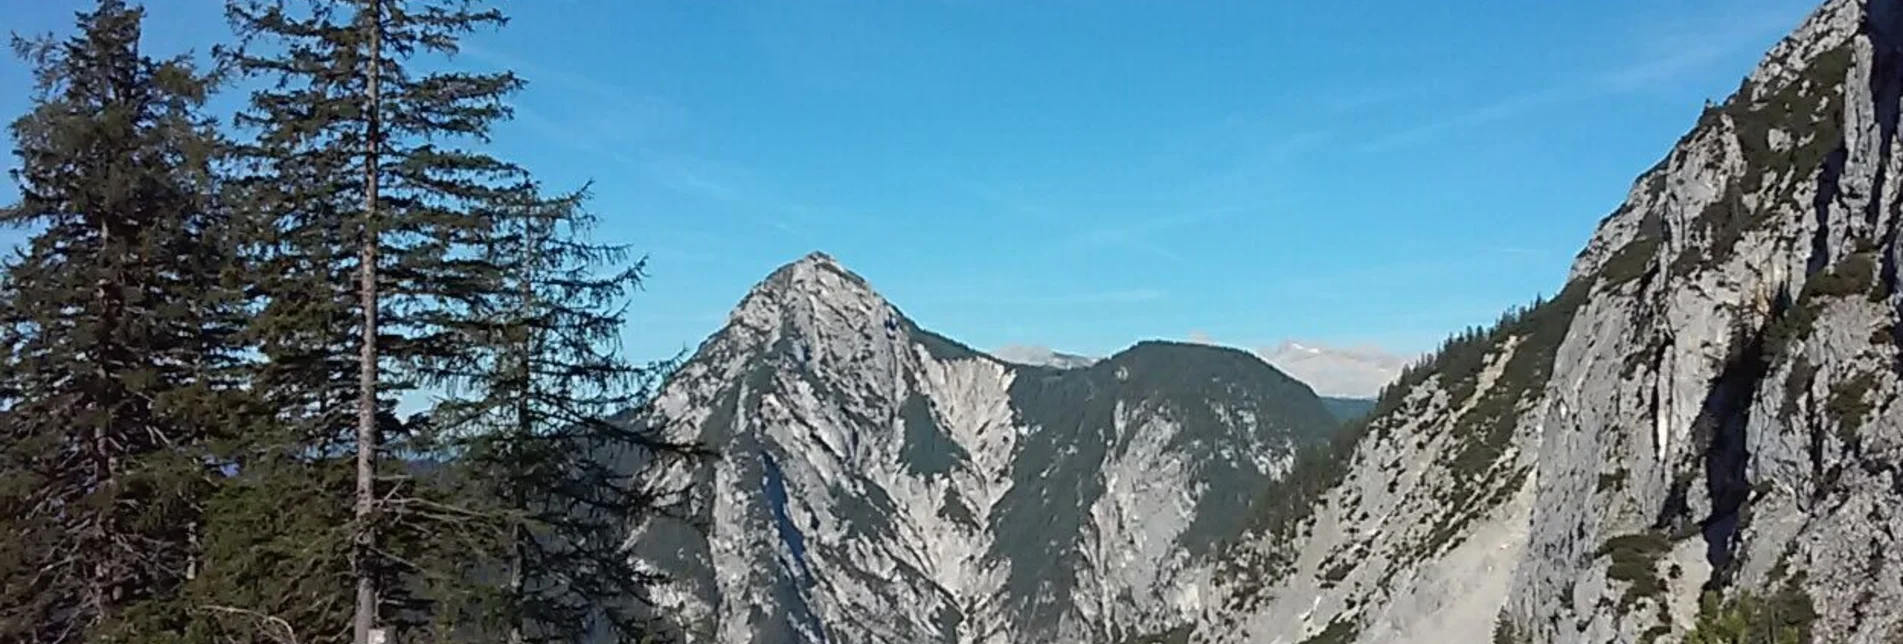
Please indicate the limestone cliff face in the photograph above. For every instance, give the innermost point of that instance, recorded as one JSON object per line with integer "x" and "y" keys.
{"x": 884, "y": 484}
{"x": 1724, "y": 410}
{"x": 1702, "y": 422}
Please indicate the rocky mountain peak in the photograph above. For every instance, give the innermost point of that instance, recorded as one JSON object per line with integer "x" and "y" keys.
{"x": 882, "y": 483}
{"x": 817, "y": 299}
{"x": 816, "y": 275}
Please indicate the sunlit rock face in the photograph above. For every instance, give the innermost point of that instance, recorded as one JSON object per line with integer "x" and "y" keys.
{"x": 881, "y": 483}
{"x": 1702, "y": 422}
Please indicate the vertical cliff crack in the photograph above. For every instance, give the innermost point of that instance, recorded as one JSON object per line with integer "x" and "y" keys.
{"x": 1828, "y": 187}
{"x": 1721, "y": 428}
{"x": 1884, "y": 28}
{"x": 775, "y": 489}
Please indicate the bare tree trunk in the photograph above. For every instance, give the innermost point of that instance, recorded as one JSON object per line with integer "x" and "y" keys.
{"x": 524, "y": 416}
{"x": 365, "y": 515}
{"x": 103, "y": 457}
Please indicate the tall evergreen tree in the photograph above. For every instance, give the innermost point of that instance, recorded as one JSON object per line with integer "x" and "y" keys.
{"x": 119, "y": 373}
{"x": 543, "y": 417}
{"x": 378, "y": 207}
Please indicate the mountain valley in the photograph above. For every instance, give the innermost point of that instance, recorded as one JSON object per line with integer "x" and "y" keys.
{"x": 1699, "y": 430}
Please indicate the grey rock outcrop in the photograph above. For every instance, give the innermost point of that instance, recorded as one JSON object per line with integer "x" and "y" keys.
{"x": 881, "y": 483}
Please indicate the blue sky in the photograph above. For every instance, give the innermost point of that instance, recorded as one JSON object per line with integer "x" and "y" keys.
{"x": 1088, "y": 174}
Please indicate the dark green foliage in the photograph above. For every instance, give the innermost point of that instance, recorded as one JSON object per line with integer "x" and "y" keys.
{"x": 1855, "y": 275}
{"x": 1783, "y": 618}
{"x": 1809, "y": 110}
{"x": 1348, "y": 410}
{"x": 1476, "y": 482}
{"x": 1635, "y": 561}
{"x": 1282, "y": 509}
{"x": 1181, "y": 375}
{"x": 1610, "y": 481}
{"x": 1485, "y": 431}
{"x": 486, "y": 292}
{"x": 1504, "y": 632}
{"x": 119, "y": 370}
{"x": 1059, "y": 471}
{"x": 1636, "y": 257}
{"x": 1803, "y": 373}
{"x": 280, "y": 555}
{"x": 368, "y": 210}
{"x": 1849, "y": 403}
{"x": 180, "y": 371}
{"x": 542, "y": 403}
{"x": 1339, "y": 631}
{"x": 1178, "y": 635}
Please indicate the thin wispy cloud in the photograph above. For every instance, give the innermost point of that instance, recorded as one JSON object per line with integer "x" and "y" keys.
{"x": 1482, "y": 115}
{"x": 742, "y": 189}
{"x": 1133, "y": 235}
{"x": 1113, "y": 297}
{"x": 1009, "y": 200}
{"x": 1374, "y": 96}
{"x": 1136, "y": 235}
{"x": 1680, "y": 53}
{"x": 1130, "y": 296}
{"x": 617, "y": 112}
{"x": 612, "y": 125}
{"x": 1520, "y": 250}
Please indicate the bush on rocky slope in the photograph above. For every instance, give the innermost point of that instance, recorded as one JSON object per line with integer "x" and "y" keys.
{"x": 1782, "y": 618}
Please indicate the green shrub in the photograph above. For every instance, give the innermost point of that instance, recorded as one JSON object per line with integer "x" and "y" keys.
{"x": 1849, "y": 403}
{"x": 1339, "y": 631}
{"x": 1855, "y": 275}
{"x": 1803, "y": 373}
{"x": 1610, "y": 481}
{"x": 1178, "y": 635}
{"x": 1634, "y": 259}
{"x": 1783, "y": 618}
{"x": 1504, "y": 632}
{"x": 1635, "y": 561}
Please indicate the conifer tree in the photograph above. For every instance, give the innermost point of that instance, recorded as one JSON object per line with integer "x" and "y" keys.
{"x": 545, "y": 416}
{"x": 119, "y": 368}
{"x": 372, "y": 269}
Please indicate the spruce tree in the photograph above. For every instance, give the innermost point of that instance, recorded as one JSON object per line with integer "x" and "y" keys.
{"x": 546, "y": 421}
{"x": 119, "y": 372}
{"x": 377, "y": 206}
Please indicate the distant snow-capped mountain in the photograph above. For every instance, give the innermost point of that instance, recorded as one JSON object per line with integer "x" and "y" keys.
{"x": 1358, "y": 372}
{"x": 1041, "y": 357}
